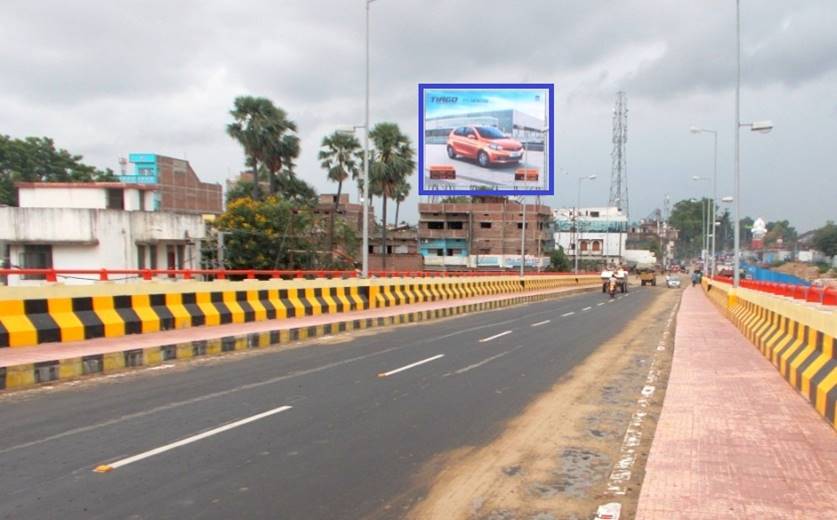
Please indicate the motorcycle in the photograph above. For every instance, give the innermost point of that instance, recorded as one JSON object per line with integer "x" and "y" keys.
{"x": 611, "y": 287}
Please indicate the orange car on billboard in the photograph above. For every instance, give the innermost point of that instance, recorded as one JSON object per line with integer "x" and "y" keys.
{"x": 485, "y": 144}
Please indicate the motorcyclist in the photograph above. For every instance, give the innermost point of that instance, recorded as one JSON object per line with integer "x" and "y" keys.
{"x": 612, "y": 284}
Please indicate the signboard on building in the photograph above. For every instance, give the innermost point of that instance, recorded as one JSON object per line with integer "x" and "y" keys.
{"x": 486, "y": 139}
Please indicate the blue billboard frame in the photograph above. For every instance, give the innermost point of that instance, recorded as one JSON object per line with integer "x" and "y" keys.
{"x": 549, "y": 87}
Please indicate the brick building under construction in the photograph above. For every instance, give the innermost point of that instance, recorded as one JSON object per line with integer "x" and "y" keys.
{"x": 484, "y": 232}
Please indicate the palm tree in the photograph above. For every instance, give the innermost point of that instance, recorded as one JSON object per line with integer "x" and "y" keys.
{"x": 402, "y": 190}
{"x": 267, "y": 136}
{"x": 393, "y": 163}
{"x": 337, "y": 157}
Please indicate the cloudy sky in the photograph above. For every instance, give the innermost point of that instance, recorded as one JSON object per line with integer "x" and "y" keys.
{"x": 108, "y": 78}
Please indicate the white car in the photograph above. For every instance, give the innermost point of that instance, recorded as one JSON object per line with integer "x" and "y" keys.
{"x": 672, "y": 282}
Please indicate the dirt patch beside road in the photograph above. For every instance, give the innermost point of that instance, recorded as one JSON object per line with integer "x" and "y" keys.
{"x": 556, "y": 460}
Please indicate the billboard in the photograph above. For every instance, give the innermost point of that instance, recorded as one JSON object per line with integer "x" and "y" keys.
{"x": 486, "y": 139}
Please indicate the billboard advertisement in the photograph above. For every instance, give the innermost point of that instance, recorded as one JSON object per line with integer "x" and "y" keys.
{"x": 486, "y": 139}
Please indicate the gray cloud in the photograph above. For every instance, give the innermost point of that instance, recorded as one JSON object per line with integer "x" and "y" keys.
{"x": 105, "y": 79}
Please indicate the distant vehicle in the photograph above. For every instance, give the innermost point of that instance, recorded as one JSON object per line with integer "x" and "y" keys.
{"x": 672, "y": 282}
{"x": 621, "y": 279}
{"x": 486, "y": 144}
{"x": 647, "y": 276}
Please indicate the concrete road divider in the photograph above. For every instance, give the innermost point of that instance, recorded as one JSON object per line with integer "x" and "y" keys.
{"x": 48, "y": 314}
{"x": 799, "y": 339}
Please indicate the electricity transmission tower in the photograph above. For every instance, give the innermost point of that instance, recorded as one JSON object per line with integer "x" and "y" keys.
{"x": 619, "y": 167}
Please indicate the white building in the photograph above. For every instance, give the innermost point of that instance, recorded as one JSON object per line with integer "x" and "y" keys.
{"x": 93, "y": 226}
{"x": 592, "y": 233}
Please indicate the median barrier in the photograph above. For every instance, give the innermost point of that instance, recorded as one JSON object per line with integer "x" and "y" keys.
{"x": 796, "y": 337}
{"x": 47, "y": 314}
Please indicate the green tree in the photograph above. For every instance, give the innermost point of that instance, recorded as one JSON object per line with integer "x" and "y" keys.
{"x": 36, "y": 159}
{"x": 393, "y": 163}
{"x": 337, "y": 156}
{"x": 239, "y": 190}
{"x": 558, "y": 260}
{"x": 400, "y": 194}
{"x": 266, "y": 234}
{"x": 780, "y": 230}
{"x": 456, "y": 199}
{"x": 267, "y": 137}
{"x": 687, "y": 216}
{"x": 825, "y": 239}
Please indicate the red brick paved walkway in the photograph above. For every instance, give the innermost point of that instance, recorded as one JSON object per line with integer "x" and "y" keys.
{"x": 734, "y": 440}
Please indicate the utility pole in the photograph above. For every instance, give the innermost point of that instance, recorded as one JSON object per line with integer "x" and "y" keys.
{"x": 619, "y": 169}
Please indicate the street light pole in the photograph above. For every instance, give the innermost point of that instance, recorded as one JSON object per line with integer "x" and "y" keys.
{"x": 365, "y": 253}
{"x": 737, "y": 183}
{"x": 575, "y": 219}
{"x": 713, "y": 214}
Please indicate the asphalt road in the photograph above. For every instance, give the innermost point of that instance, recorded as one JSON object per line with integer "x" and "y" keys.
{"x": 319, "y": 432}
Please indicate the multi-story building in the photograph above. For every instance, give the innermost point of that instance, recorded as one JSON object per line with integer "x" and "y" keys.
{"x": 351, "y": 213}
{"x": 485, "y": 232}
{"x": 93, "y": 226}
{"x": 180, "y": 189}
{"x": 591, "y": 233}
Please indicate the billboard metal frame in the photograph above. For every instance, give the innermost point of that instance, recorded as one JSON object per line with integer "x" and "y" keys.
{"x": 548, "y": 87}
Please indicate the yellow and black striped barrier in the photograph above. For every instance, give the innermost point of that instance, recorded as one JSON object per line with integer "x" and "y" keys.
{"x": 799, "y": 339}
{"x": 162, "y": 311}
{"x": 62, "y": 314}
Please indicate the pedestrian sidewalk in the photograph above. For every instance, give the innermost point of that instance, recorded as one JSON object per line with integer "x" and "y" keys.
{"x": 50, "y": 352}
{"x": 734, "y": 440}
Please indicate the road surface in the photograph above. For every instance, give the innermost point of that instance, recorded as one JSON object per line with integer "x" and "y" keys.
{"x": 319, "y": 432}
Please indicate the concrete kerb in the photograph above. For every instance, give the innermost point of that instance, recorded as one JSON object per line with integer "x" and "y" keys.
{"x": 799, "y": 339}
{"x": 18, "y": 376}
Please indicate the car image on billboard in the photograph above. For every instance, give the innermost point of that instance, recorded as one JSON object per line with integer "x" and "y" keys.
{"x": 479, "y": 139}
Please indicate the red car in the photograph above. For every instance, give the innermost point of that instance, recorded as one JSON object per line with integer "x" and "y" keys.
{"x": 486, "y": 144}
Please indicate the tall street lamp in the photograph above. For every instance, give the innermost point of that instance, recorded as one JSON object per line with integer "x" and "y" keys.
{"x": 365, "y": 254}
{"x": 761, "y": 127}
{"x": 575, "y": 218}
{"x": 714, "y": 212}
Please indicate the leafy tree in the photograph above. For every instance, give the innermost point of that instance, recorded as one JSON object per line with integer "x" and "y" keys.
{"x": 267, "y": 136}
{"x": 687, "y": 216}
{"x": 781, "y": 230}
{"x": 456, "y": 199}
{"x": 825, "y": 239}
{"x": 240, "y": 190}
{"x": 393, "y": 163}
{"x": 266, "y": 234}
{"x": 337, "y": 156}
{"x": 36, "y": 159}
{"x": 558, "y": 260}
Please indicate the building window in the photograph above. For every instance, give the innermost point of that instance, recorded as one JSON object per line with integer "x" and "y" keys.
{"x": 439, "y": 252}
{"x": 435, "y": 225}
{"x": 36, "y": 257}
{"x": 597, "y": 245}
{"x": 485, "y": 225}
{"x": 485, "y": 251}
{"x": 520, "y": 225}
{"x": 456, "y": 225}
{"x": 181, "y": 256}
{"x": 454, "y": 252}
{"x": 116, "y": 199}
{"x": 389, "y": 250}
{"x": 141, "y": 204}
{"x": 140, "y": 256}
{"x": 584, "y": 245}
{"x": 594, "y": 213}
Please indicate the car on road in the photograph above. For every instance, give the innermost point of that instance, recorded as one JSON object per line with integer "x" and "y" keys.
{"x": 672, "y": 282}
{"x": 485, "y": 144}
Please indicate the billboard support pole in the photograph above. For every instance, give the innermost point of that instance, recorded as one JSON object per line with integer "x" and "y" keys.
{"x": 523, "y": 239}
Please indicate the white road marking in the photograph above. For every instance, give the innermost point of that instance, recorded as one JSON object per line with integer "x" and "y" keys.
{"x": 489, "y": 338}
{"x": 200, "y": 398}
{"x": 610, "y": 300}
{"x": 411, "y": 365}
{"x": 600, "y": 304}
{"x": 586, "y": 309}
{"x": 487, "y": 360}
{"x": 567, "y": 314}
{"x": 538, "y": 324}
{"x": 104, "y": 468}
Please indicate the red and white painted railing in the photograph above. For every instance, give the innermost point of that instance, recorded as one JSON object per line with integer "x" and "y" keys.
{"x": 104, "y": 275}
{"x": 821, "y": 295}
